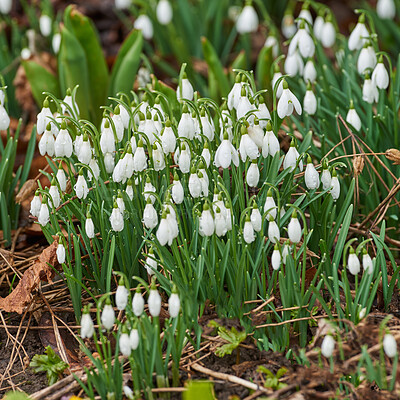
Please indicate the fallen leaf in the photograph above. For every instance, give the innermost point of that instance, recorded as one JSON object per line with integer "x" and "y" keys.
{"x": 27, "y": 190}
{"x": 21, "y": 296}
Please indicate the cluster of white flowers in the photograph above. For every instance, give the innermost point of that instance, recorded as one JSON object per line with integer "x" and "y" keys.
{"x": 353, "y": 262}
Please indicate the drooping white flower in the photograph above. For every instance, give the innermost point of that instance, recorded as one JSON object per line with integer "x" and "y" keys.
{"x": 44, "y": 215}
{"x": 45, "y": 24}
{"x": 305, "y": 15}
{"x": 335, "y": 191}
{"x": 107, "y": 141}
{"x": 311, "y": 176}
{"x": 143, "y": 23}
{"x": 87, "y": 326}
{"x": 158, "y": 157}
{"x": 61, "y": 178}
{"x": 367, "y": 262}
{"x": 168, "y": 139}
{"x": 326, "y": 178}
{"x": 294, "y": 228}
{"x": 174, "y": 303}
{"x": 302, "y": 41}
{"x": 207, "y": 126}
{"x": 43, "y": 118}
{"x": 185, "y": 89}
{"x": 128, "y": 392}
{"x": 327, "y": 346}
{"x": 60, "y": 252}
{"x": 206, "y": 155}
{"x": 85, "y": 152}
{"x": 125, "y": 343}
{"x": 139, "y": 158}
{"x": 248, "y": 20}
{"x": 186, "y": 127}
{"x": 390, "y": 345}
{"x": 164, "y": 12}
{"x": 256, "y": 218}
{"x": 274, "y": 80}
{"x": 359, "y": 36}
{"x": 380, "y": 75}
{"x": 46, "y": 143}
{"x": 163, "y": 232}
{"x": 370, "y": 91}
{"x": 276, "y": 258}
{"x": 234, "y": 94}
{"x": 274, "y": 234}
{"x": 89, "y": 227}
{"x": 108, "y": 315}
{"x": 194, "y": 184}
{"x": 248, "y": 231}
{"x": 353, "y": 263}
{"x": 221, "y": 226}
{"x": 272, "y": 42}
{"x": 294, "y": 64}
{"x": 63, "y": 142}
{"x": 5, "y": 6}
{"x": 177, "y": 191}
{"x": 35, "y": 205}
{"x": 150, "y": 218}
{"x": 206, "y": 222}
{"x": 226, "y": 154}
{"x": 353, "y": 118}
{"x": 288, "y": 26}
{"x": 244, "y": 106}
{"x": 54, "y": 194}
{"x": 121, "y": 295}
{"x": 328, "y": 36}
{"x": 148, "y": 189}
{"x": 310, "y": 101}
{"x": 122, "y": 4}
{"x": 151, "y": 263}
{"x": 81, "y": 187}
{"x": 309, "y": 72}
{"x": 366, "y": 59}
{"x": 386, "y": 9}
{"x": 183, "y": 159}
{"x": 285, "y": 251}
{"x": 256, "y": 133}
{"x": 247, "y": 148}
{"x": 262, "y": 113}
{"x": 154, "y": 302}
{"x": 138, "y": 303}
{"x": 318, "y": 26}
{"x": 116, "y": 219}
{"x": 253, "y": 174}
{"x": 287, "y": 102}
{"x": 291, "y": 158}
{"x": 73, "y": 109}
{"x": 270, "y": 144}
{"x": 270, "y": 206}
{"x": 134, "y": 339}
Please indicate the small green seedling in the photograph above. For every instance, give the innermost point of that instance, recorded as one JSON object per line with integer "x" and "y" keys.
{"x": 271, "y": 380}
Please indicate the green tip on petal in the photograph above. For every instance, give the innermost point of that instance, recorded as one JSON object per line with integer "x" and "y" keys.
{"x": 294, "y": 214}
{"x": 63, "y": 124}
{"x": 168, "y": 123}
{"x": 48, "y": 127}
{"x": 69, "y": 92}
{"x": 284, "y": 84}
{"x": 238, "y": 78}
{"x": 148, "y": 115}
{"x": 107, "y": 124}
{"x": 117, "y": 110}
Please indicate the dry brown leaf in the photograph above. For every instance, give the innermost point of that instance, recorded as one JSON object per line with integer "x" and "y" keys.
{"x": 358, "y": 165}
{"x": 21, "y": 296}
{"x": 393, "y": 155}
{"x": 28, "y": 188}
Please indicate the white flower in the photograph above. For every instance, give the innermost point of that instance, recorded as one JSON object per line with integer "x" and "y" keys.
{"x": 291, "y": 158}
{"x": 253, "y": 174}
{"x": 45, "y": 25}
{"x": 151, "y": 263}
{"x": 359, "y": 35}
{"x": 380, "y": 75}
{"x": 85, "y": 152}
{"x": 168, "y": 139}
{"x": 44, "y": 216}
{"x": 177, "y": 191}
{"x": 293, "y": 64}
{"x": 61, "y": 178}
{"x": 366, "y": 59}
{"x": 185, "y": 90}
{"x": 285, "y": 251}
{"x": 5, "y": 6}
{"x": 164, "y": 12}
{"x": 35, "y": 205}
{"x": 309, "y": 72}
{"x": 122, "y": 4}
{"x": 226, "y": 154}
{"x": 150, "y": 218}
{"x": 262, "y": 113}
{"x": 183, "y": 159}
{"x": 206, "y": 154}
{"x": 353, "y": 263}
{"x": 138, "y": 303}
{"x": 353, "y": 118}
{"x": 273, "y": 231}
{"x": 43, "y": 118}
{"x": 148, "y": 189}
{"x": 68, "y": 100}
{"x": 234, "y": 94}
{"x": 220, "y": 222}
{"x": 247, "y": 148}
{"x": 60, "y": 253}
{"x": 327, "y": 346}
{"x": 310, "y": 102}
{"x": 328, "y": 36}
{"x": 46, "y": 143}
{"x": 256, "y": 218}
{"x": 244, "y": 106}
{"x": 288, "y": 102}
{"x": 139, "y": 158}
{"x": 121, "y": 296}
{"x": 108, "y": 316}
{"x": 386, "y": 9}
{"x": 55, "y": 195}
{"x": 318, "y": 26}
{"x": 207, "y": 126}
{"x": 389, "y": 345}
{"x": 206, "y": 222}
{"x": 326, "y": 178}
{"x": 163, "y": 232}
{"x": 174, "y": 305}
{"x": 128, "y": 392}
{"x": 120, "y": 203}
{"x": 55, "y": 42}
{"x": 134, "y": 339}
{"x": 186, "y": 126}
{"x": 248, "y": 20}
{"x": 107, "y": 141}
{"x": 302, "y": 41}
{"x": 154, "y": 302}
{"x": 63, "y": 143}
{"x": 194, "y": 184}
{"x": 272, "y": 42}
{"x": 279, "y": 89}
{"x": 116, "y": 219}
{"x": 294, "y": 229}
{"x": 125, "y": 345}
{"x": 109, "y": 162}
{"x": 362, "y": 313}
{"x": 370, "y": 91}
{"x": 87, "y": 327}
{"x": 248, "y": 231}
{"x": 311, "y": 176}
{"x": 81, "y": 188}
{"x": 288, "y": 26}
{"x": 335, "y": 191}
{"x": 270, "y": 144}
{"x": 143, "y": 23}
{"x": 305, "y": 14}
{"x": 89, "y": 227}
{"x": 94, "y": 167}
{"x": 256, "y": 133}
{"x": 367, "y": 263}
{"x": 270, "y": 206}
{"x": 276, "y": 258}
{"x": 4, "y": 119}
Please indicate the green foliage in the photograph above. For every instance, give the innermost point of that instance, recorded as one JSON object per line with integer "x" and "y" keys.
{"x": 232, "y": 336}
{"x": 50, "y": 363}
{"x": 16, "y": 396}
{"x": 199, "y": 390}
{"x": 271, "y": 380}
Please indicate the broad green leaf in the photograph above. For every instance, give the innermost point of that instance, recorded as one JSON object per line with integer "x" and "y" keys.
{"x": 199, "y": 390}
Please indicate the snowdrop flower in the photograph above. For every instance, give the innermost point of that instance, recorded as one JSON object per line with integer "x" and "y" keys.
{"x": 327, "y": 346}
{"x": 46, "y": 143}
{"x": 367, "y": 263}
{"x": 54, "y": 194}
{"x": 270, "y": 206}
{"x": 150, "y": 218}
{"x": 60, "y": 252}
{"x": 206, "y": 155}
{"x": 116, "y": 219}
{"x": 335, "y": 190}
{"x": 294, "y": 229}
{"x": 185, "y": 89}
{"x": 220, "y": 222}
{"x": 353, "y": 263}
{"x": 154, "y": 301}
{"x": 326, "y": 178}
{"x": 85, "y": 152}
{"x": 45, "y": 25}
{"x": 44, "y": 216}
{"x": 129, "y": 189}
{"x": 288, "y": 26}
{"x": 386, "y": 9}
{"x": 125, "y": 343}
{"x": 380, "y": 75}
{"x": 275, "y": 78}
{"x": 256, "y": 133}
{"x": 163, "y": 231}
{"x": 226, "y": 154}
{"x": 273, "y": 231}
{"x": 310, "y": 101}
{"x": 61, "y": 178}
{"x": 89, "y": 226}
{"x": 25, "y": 52}
{"x": 108, "y": 315}
{"x": 56, "y": 42}
{"x": 94, "y": 167}
{"x": 71, "y": 103}
{"x": 121, "y": 295}
{"x": 184, "y": 159}
{"x": 291, "y": 158}
{"x": 247, "y": 148}
{"x": 206, "y": 222}
{"x": 248, "y": 20}
{"x": 309, "y": 72}
{"x": 43, "y": 118}
{"x": 370, "y": 91}
{"x": 248, "y": 231}
{"x": 164, "y": 12}
{"x": 143, "y": 23}
{"x": 362, "y": 313}
{"x": 262, "y": 113}
{"x": 253, "y": 174}
{"x": 204, "y": 182}
{"x": 81, "y": 188}
{"x": 63, "y": 142}
{"x": 352, "y": 117}
{"x": 328, "y": 36}
{"x": 287, "y": 102}
{"x": 208, "y": 129}
{"x": 318, "y": 26}
{"x": 234, "y": 94}
{"x": 270, "y": 145}
{"x": 302, "y": 41}
{"x": 194, "y": 184}
{"x": 389, "y": 345}
{"x": 174, "y": 304}
{"x": 177, "y": 191}
{"x": 109, "y": 162}
{"x": 172, "y": 223}
{"x": 244, "y": 106}
{"x": 120, "y": 202}
{"x": 87, "y": 326}
{"x": 294, "y": 64}
{"x": 35, "y": 205}
{"x": 276, "y": 258}
{"x": 122, "y": 4}
{"x": 139, "y": 158}
{"x": 148, "y": 189}
{"x": 186, "y": 127}
{"x": 158, "y": 157}
{"x": 118, "y": 124}
{"x": 366, "y": 59}
{"x": 311, "y": 176}
{"x": 5, "y": 6}
{"x": 359, "y": 36}
{"x": 305, "y": 14}
{"x": 151, "y": 263}
{"x": 285, "y": 251}
{"x": 272, "y": 42}
{"x": 168, "y": 139}
{"x": 256, "y": 218}
{"x": 134, "y": 339}
{"x": 4, "y": 118}
{"x": 138, "y": 302}
{"x": 128, "y": 392}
